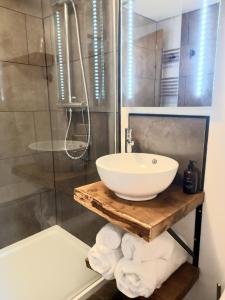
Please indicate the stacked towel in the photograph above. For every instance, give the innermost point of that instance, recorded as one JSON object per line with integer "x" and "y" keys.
{"x": 137, "y": 249}
{"x": 110, "y": 236}
{"x": 139, "y": 267}
{"x": 106, "y": 253}
{"x": 104, "y": 260}
{"x": 135, "y": 279}
{"x": 150, "y": 264}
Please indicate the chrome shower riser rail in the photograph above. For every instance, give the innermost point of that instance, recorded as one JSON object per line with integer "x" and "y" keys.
{"x": 68, "y": 103}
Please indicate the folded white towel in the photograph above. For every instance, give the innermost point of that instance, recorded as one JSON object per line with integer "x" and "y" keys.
{"x": 135, "y": 279}
{"x": 139, "y": 250}
{"x": 110, "y": 236}
{"x": 104, "y": 260}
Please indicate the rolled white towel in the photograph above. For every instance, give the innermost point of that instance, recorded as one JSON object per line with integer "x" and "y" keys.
{"x": 104, "y": 260}
{"x": 139, "y": 250}
{"x": 110, "y": 236}
{"x": 135, "y": 279}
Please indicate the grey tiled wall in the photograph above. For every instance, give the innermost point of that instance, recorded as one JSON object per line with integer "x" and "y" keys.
{"x": 181, "y": 138}
{"x": 32, "y": 183}
{"x": 27, "y": 198}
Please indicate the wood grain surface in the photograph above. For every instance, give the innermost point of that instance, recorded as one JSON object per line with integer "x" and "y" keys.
{"x": 147, "y": 219}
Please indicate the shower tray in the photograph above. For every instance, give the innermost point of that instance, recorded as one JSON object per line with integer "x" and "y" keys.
{"x": 48, "y": 266}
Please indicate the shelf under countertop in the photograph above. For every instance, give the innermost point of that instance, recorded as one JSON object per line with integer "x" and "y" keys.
{"x": 175, "y": 288}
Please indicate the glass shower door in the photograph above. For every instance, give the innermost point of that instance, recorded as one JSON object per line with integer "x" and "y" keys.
{"x": 96, "y": 22}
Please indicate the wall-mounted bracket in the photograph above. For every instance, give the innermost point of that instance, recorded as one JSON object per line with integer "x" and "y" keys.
{"x": 197, "y": 237}
{"x": 218, "y": 292}
{"x": 181, "y": 242}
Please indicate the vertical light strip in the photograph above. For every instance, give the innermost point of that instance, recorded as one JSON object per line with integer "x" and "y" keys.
{"x": 95, "y": 49}
{"x": 130, "y": 50}
{"x": 102, "y": 52}
{"x": 60, "y": 56}
{"x": 67, "y": 45}
{"x": 116, "y": 43}
{"x": 202, "y": 50}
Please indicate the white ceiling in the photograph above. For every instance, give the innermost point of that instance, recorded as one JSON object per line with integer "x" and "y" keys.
{"x": 162, "y": 9}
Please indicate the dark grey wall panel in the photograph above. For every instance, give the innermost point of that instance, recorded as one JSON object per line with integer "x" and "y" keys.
{"x": 181, "y": 138}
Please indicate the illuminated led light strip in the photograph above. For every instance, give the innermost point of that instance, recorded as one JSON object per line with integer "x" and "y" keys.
{"x": 95, "y": 49}
{"x": 202, "y": 50}
{"x": 130, "y": 50}
{"x": 60, "y": 55}
{"x": 102, "y": 52}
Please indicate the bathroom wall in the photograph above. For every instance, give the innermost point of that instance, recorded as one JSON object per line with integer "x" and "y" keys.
{"x": 212, "y": 263}
{"x": 27, "y": 202}
{"x": 68, "y": 173}
{"x": 181, "y": 138}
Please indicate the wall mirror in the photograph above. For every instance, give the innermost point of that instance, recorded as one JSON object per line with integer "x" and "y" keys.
{"x": 168, "y": 52}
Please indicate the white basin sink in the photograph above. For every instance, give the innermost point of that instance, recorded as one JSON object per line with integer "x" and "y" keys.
{"x": 137, "y": 176}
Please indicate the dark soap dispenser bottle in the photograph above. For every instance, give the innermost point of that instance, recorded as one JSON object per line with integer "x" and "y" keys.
{"x": 190, "y": 184}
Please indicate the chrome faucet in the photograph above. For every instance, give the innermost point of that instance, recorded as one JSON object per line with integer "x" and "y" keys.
{"x": 129, "y": 143}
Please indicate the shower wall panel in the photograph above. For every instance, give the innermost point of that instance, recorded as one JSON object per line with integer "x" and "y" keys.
{"x": 27, "y": 201}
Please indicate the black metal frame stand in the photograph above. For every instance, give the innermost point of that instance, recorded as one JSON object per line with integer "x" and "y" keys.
{"x": 218, "y": 292}
{"x": 197, "y": 237}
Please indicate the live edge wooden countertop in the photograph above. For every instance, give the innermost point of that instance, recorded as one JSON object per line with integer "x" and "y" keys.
{"x": 147, "y": 219}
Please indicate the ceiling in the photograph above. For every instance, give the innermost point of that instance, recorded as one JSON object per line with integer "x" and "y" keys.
{"x": 162, "y": 9}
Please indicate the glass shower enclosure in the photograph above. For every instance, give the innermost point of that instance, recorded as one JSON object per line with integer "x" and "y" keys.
{"x": 82, "y": 96}
{"x": 58, "y": 111}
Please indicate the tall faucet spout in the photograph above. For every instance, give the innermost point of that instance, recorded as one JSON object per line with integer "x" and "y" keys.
{"x": 129, "y": 143}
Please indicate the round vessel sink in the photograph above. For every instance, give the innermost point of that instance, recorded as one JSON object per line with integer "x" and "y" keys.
{"x": 137, "y": 176}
